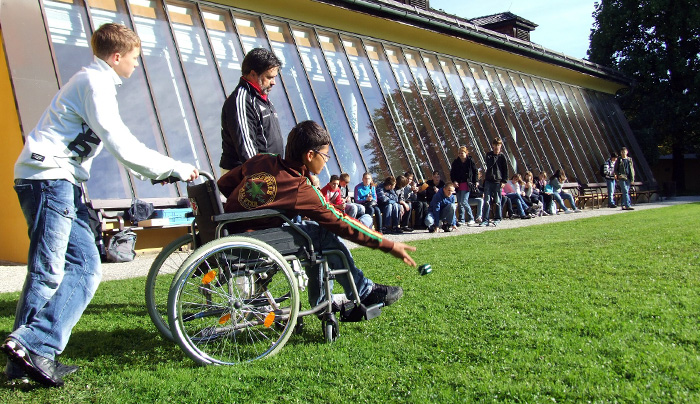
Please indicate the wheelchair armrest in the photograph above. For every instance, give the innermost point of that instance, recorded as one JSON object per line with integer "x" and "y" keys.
{"x": 253, "y": 214}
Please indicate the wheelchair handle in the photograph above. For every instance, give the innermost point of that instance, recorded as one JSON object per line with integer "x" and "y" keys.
{"x": 173, "y": 179}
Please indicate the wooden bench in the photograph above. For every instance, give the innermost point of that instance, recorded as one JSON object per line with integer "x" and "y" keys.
{"x": 594, "y": 193}
{"x": 639, "y": 189}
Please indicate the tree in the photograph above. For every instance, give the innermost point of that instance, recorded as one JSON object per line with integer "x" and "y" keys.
{"x": 657, "y": 44}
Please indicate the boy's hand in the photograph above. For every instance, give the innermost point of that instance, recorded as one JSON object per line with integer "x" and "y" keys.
{"x": 400, "y": 251}
{"x": 193, "y": 176}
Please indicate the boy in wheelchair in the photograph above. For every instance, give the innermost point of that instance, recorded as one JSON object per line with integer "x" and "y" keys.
{"x": 270, "y": 181}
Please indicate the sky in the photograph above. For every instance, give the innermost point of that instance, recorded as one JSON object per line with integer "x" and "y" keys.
{"x": 562, "y": 25}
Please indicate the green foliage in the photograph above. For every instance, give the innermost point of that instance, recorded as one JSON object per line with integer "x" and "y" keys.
{"x": 657, "y": 43}
{"x": 594, "y": 310}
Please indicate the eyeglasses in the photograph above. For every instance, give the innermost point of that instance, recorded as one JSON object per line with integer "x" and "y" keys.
{"x": 325, "y": 156}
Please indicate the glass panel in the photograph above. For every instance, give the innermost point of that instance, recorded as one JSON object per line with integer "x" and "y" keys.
{"x": 513, "y": 98}
{"x": 513, "y": 119}
{"x": 360, "y": 124}
{"x": 410, "y": 91}
{"x": 405, "y": 125}
{"x": 431, "y": 94}
{"x": 474, "y": 137}
{"x": 386, "y": 133}
{"x": 202, "y": 76}
{"x": 70, "y": 39}
{"x": 477, "y": 101}
{"x": 170, "y": 93}
{"x": 297, "y": 85}
{"x": 538, "y": 129}
{"x": 344, "y": 143}
{"x": 590, "y": 110}
{"x": 568, "y": 141}
{"x": 137, "y": 111}
{"x": 494, "y": 100}
{"x": 224, "y": 42}
{"x": 589, "y": 152}
{"x": 252, "y": 36}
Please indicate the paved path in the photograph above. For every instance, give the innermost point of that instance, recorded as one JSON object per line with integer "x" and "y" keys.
{"x": 13, "y": 275}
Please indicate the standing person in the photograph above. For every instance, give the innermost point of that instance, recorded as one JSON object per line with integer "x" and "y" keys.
{"x": 624, "y": 173}
{"x": 249, "y": 122}
{"x": 366, "y": 194}
{"x": 608, "y": 172}
{"x": 307, "y": 152}
{"x": 463, "y": 173}
{"x": 495, "y": 178}
{"x": 355, "y": 210}
{"x": 64, "y": 263}
{"x": 442, "y": 210}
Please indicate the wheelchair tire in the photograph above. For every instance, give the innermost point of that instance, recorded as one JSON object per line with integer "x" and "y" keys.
{"x": 234, "y": 300}
{"x": 159, "y": 279}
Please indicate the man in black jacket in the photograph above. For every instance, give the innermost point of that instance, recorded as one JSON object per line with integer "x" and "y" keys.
{"x": 249, "y": 124}
{"x": 496, "y": 177}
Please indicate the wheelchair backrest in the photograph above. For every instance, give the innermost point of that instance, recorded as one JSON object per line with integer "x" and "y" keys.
{"x": 206, "y": 203}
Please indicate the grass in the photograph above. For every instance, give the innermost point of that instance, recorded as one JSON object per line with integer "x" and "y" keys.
{"x": 600, "y": 310}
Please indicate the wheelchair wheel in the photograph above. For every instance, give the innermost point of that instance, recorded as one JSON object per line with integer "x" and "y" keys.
{"x": 234, "y": 300}
{"x": 160, "y": 277}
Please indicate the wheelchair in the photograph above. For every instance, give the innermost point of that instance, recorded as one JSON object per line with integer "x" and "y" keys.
{"x": 236, "y": 297}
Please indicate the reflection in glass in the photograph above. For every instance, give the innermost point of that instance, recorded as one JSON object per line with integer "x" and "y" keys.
{"x": 344, "y": 143}
{"x": 405, "y": 125}
{"x": 202, "y": 76}
{"x": 297, "y": 85}
{"x": 179, "y": 124}
{"x": 353, "y": 105}
{"x": 410, "y": 90}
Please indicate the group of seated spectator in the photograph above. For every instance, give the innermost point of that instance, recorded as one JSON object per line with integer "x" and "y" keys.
{"x": 400, "y": 204}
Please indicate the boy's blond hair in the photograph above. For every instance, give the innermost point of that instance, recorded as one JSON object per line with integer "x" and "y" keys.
{"x": 113, "y": 38}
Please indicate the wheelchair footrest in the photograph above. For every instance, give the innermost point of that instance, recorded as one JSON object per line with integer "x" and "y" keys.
{"x": 351, "y": 312}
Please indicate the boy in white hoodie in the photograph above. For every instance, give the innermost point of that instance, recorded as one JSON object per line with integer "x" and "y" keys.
{"x": 64, "y": 264}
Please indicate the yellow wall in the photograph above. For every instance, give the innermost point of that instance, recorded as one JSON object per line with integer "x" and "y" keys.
{"x": 324, "y": 15}
{"x": 14, "y": 242}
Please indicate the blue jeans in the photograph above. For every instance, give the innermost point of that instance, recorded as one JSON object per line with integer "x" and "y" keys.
{"x": 518, "y": 203}
{"x": 625, "y": 190}
{"x": 63, "y": 269}
{"x": 324, "y": 240}
{"x": 463, "y": 201}
{"x": 492, "y": 190}
{"x": 479, "y": 205}
{"x": 354, "y": 210}
{"x": 611, "y": 191}
{"x": 447, "y": 216}
{"x": 390, "y": 215}
{"x": 560, "y": 196}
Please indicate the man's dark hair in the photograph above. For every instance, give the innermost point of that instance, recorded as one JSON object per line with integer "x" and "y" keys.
{"x": 613, "y": 155}
{"x": 305, "y": 136}
{"x": 259, "y": 60}
{"x": 334, "y": 177}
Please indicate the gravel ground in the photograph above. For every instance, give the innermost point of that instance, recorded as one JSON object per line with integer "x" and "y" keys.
{"x": 13, "y": 275}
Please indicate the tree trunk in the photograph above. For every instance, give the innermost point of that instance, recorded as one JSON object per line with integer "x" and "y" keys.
{"x": 678, "y": 173}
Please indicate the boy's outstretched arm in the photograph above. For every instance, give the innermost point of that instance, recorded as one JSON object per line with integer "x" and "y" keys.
{"x": 399, "y": 250}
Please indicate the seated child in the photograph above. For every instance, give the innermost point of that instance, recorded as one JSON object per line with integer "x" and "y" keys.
{"x": 442, "y": 209}
{"x": 270, "y": 181}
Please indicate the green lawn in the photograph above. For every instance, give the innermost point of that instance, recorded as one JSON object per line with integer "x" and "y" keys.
{"x": 604, "y": 309}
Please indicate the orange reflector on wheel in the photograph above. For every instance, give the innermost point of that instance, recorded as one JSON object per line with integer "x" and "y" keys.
{"x": 269, "y": 319}
{"x": 225, "y": 318}
{"x": 206, "y": 279}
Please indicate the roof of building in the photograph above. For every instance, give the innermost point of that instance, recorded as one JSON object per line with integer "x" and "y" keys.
{"x": 442, "y": 22}
{"x": 502, "y": 17}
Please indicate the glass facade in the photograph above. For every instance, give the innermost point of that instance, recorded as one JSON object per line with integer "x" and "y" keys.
{"x": 389, "y": 108}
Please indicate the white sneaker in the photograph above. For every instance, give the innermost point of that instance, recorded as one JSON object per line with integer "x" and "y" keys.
{"x": 471, "y": 223}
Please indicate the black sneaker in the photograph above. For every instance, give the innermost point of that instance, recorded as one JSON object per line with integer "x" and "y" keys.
{"x": 383, "y": 294}
{"x": 38, "y": 368}
{"x": 432, "y": 229}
